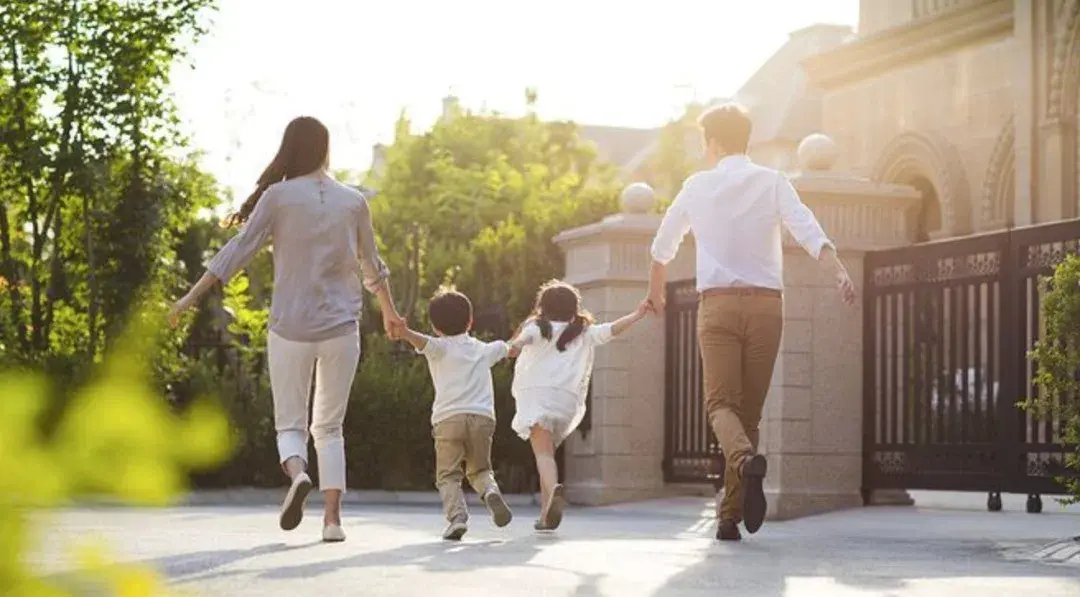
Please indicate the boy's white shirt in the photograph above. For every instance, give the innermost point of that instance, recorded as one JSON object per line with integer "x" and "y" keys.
{"x": 541, "y": 365}
{"x": 460, "y": 369}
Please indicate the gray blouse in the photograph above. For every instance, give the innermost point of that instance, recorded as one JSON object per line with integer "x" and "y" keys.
{"x": 322, "y": 243}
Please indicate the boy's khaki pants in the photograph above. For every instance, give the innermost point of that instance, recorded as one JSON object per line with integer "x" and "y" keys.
{"x": 739, "y": 336}
{"x": 463, "y": 449}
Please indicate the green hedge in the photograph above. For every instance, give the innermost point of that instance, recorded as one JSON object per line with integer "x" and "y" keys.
{"x": 387, "y": 430}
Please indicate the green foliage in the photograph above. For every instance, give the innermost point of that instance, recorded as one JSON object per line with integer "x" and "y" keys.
{"x": 388, "y": 431}
{"x": 95, "y": 197}
{"x": 475, "y": 202}
{"x": 117, "y": 439}
{"x": 677, "y": 156}
{"x": 1057, "y": 361}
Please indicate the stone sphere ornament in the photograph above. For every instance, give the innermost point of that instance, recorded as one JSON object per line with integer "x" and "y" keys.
{"x": 817, "y": 151}
{"x": 638, "y": 198}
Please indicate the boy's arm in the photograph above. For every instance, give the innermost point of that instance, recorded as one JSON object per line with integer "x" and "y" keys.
{"x": 496, "y": 351}
{"x": 418, "y": 341}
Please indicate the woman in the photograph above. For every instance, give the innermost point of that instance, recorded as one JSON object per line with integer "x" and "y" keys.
{"x": 323, "y": 244}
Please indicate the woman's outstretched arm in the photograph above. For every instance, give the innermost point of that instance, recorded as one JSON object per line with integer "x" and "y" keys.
{"x": 233, "y": 257}
{"x": 192, "y": 297}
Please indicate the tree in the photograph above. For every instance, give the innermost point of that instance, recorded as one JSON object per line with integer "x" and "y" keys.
{"x": 475, "y": 202}
{"x": 1057, "y": 363}
{"x": 677, "y": 155}
{"x": 93, "y": 200}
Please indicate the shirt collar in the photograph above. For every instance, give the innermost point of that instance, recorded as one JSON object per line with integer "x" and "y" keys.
{"x": 735, "y": 159}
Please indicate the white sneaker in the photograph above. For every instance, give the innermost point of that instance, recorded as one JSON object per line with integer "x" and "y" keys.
{"x": 292, "y": 509}
{"x": 333, "y": 533}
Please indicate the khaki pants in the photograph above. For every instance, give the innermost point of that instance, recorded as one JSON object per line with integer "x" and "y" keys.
{"x": 739, "y": 336}
{"x": 463, "y": 449}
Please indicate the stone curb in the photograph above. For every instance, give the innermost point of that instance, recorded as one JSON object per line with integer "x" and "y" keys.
{"x": 266, "y": 497}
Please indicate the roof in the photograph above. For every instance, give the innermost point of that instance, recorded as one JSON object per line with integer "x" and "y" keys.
{"x": 619, "y": 145}
{"x": 781, "y": 102}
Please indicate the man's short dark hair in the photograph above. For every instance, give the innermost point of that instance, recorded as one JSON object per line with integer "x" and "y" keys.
{"x": 450, "y": 312}
{"x": 728, "y": 125}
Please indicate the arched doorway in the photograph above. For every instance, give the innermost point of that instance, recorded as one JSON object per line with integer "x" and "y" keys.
{"x": 931, "y": 165}
{"x": 928, "y": 218}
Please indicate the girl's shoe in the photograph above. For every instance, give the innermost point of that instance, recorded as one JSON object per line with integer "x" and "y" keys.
{"x": 292, "y": 510}
{"x": 553, "y": 513}
{"x": 333, "y": 533}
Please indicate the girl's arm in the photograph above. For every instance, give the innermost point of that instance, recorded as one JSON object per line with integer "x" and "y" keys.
{"x": 521, "y": 338}
{"x": 627, "y": 321}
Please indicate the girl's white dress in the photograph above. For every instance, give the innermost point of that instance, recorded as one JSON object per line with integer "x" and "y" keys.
{"x": 550, "y": 386}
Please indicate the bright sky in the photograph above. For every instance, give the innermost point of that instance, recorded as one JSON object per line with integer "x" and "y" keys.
{"x": 355, "y": 64}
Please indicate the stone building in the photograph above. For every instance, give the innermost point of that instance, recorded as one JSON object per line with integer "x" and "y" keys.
{"x": 942, "y": 118}
{"x": 973, "y": 102}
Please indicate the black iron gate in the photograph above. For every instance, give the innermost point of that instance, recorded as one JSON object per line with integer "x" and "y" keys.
{"x": 946, "y": 330}
{"x": 691, "y": 452}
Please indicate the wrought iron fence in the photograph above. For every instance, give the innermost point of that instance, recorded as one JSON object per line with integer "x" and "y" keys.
{"x": 946, "y": 330}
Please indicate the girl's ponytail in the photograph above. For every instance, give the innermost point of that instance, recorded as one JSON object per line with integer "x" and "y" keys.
{"x": 576, "y": 328}
{"x": 544, "y": 324}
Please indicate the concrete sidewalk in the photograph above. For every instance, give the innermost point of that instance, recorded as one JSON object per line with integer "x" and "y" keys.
{"x": 661, "y": 548}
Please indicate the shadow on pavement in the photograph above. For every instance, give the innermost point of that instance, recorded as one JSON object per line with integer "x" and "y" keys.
{"x": 200, "y": 562}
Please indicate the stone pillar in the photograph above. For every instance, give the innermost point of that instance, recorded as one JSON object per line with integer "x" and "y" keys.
{"x": 620, "y": 456}
{"x": 812, "y": 428}
{"x": 1056, "y": 199}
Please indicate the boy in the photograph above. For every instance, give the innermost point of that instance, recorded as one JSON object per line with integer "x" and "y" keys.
{"x": 463, "y": 415}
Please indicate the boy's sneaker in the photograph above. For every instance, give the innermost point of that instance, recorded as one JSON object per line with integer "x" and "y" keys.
{"x": 292, "y": 509}
{"x": 500, "y": 511}
{"x": 455, "y": 530}
{"x": 728, "y": 530}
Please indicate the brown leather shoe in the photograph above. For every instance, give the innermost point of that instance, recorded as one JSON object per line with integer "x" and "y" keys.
{"x": 754, "y": 506}
{"x": 728, "y": 530}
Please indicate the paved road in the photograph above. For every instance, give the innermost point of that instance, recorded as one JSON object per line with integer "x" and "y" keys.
{"x": 661, "y": 549}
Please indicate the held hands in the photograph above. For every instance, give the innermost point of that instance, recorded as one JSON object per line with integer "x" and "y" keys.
{"x": 652, "y": 305}
{"x": 394, "y": 324}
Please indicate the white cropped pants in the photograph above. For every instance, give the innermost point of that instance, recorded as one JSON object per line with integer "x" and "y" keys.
{"x": 333, "y": 362}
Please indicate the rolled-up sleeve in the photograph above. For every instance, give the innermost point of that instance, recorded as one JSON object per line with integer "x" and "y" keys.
{"x": 673, "y": 228}
{"x": 374, "y": 270}
{"x": 255, "y": 233}
{"x": 799, "y": 220}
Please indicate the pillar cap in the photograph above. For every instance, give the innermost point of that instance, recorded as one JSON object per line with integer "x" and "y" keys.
{"x": 638, "y": 198}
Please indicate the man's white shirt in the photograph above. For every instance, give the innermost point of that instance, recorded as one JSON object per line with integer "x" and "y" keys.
{"x": 735, "y": 211}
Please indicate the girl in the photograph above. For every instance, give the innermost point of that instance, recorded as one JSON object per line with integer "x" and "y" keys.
{"x": 323, "y": 244}
{"x": 551, "y": 379}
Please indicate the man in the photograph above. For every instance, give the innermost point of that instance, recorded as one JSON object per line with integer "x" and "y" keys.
{"x": 735, "y": 211}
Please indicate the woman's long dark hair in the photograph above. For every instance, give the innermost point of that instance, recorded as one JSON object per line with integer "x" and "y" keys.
{"x": 305, "y": 148}
{"x": 559, "y": 301}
